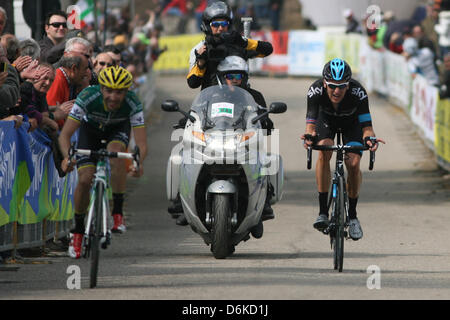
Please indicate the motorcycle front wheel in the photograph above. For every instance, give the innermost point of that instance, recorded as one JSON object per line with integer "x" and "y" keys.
{"x": 221, "y": 246}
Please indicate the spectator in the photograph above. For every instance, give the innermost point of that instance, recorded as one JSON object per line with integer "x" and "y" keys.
{"x": 9, "y": 90}
{"x": 57, "y": 52}
{"x": 114, "y": 53}
{"x": 61, "y": 95}
{"x": 29, "y": 47}
{"x": 83, "y": 47}
{"x": 102, "y": 61}
{"x": 33, "y": 99}
{"x": 352, "y": 24}
{"x": 419, "y": 14}
{"x": 56, "y": 30}
{"x": 394, "y": 25}
{"x": 387, "y": 28}
{"x": 138, "y": 79}
{"x": 444, "y": 91}
{"x": 80, "y": 46}
{"x": 178, "y": 9}
{"x": 261, "y": 9}
{"x": 3, "y": 19}
{"x": 199, "y": 12}
{"x": 12, "y": 46}
{"x": 395, "y": 43}
{"x": 428, "y": 25}
{"x": 275, "y": 7}
{"x": 420, "y": 61}
{"x": 422, "y": 40}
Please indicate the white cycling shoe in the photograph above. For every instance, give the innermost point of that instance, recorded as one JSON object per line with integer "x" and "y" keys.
{"x": 355, "y": 230}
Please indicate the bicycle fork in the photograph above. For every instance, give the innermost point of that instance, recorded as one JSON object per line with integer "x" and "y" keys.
{"x": 105, "y": 240}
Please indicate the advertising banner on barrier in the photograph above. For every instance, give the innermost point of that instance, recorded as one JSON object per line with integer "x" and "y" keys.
{"x": 30, "y": 187}
{"x": 398, "y": 79}
{"x": 277, "y": 62}
{"x": 442, "y": 132}
{"x": 344, "y": 46}
{"x": 306, "y": 53}
{"x": 423, "y": 108}
{"x": 16, "y": 170}
{"x": 176, "y": 58}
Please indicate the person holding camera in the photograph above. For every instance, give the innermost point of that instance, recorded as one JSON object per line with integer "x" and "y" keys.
{"x": 220, "y": 41}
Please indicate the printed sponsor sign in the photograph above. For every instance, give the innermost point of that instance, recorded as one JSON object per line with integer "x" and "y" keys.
{"x": 306, "y": 53}
{"x": 423, "y": 109}
{"x": 30, "y": 187}
{"x": 222, "y": 109}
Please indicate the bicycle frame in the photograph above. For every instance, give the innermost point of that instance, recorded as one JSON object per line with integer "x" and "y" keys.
{"x": 101, "y": 177}
{"x": 339, "y": 222}
{"x": 338, "y": 173}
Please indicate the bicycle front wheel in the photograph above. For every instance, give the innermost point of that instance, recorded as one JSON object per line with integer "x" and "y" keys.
{"x": 96, "y": 233}
{"x": 340, "y": 227}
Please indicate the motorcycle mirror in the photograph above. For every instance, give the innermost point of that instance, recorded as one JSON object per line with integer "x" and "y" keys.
{"x": 170, "y": 106}
{"x": 278, "y": 107}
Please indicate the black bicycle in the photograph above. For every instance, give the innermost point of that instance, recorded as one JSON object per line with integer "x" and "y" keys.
{"x": 97, "y": 233}
{"x": 337, "y": 196}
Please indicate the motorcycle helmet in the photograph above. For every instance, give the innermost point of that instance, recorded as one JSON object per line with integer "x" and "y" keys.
{"x": 233, "y": 65}
{"x": 337, "y": 70}
{"x": 216, "y": 10}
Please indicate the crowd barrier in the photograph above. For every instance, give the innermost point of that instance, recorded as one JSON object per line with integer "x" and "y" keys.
{"x": 36, "y": 205}
{"x": 304, "y": 52}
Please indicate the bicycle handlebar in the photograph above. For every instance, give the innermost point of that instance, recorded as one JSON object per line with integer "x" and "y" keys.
{"x": 135, "y": 156}
{"x": 342, "y": 148}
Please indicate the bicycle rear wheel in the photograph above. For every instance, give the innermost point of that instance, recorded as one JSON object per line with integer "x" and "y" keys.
{"x": 96, "y": 234}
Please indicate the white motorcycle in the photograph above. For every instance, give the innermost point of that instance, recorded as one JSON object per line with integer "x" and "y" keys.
{"x": 221, "y": 170}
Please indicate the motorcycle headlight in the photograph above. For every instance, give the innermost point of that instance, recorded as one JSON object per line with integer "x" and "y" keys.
{"x": 199, "y": 135}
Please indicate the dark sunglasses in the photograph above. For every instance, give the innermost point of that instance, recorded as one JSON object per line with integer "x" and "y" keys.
{"x": 217, "y": 24}
{"x": 58, "y": 24}
{"x": 103, "y": 63}
{"x": 231, "y": 76}
{"x": 333, "y": 86}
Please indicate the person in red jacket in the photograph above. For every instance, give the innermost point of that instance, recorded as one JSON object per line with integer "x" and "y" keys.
{"x": 73, "y": 70}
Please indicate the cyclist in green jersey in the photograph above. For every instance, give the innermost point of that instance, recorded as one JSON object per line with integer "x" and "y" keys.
{"x": 104, "y": 112}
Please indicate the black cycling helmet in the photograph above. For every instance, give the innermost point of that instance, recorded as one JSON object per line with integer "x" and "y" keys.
{"x": 216, "y": 10}
{"x": 337, "y": 70}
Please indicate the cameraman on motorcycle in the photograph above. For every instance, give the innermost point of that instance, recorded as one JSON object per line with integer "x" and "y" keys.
{"x": 233, "y": 71}
{"x": 220, "y": 42}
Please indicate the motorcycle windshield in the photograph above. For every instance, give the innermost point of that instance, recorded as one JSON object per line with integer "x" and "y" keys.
{"x": 224, "y": 107}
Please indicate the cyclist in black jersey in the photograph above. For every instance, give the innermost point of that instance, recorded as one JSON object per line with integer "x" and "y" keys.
{"x": 105, "y": 112}
{"x": 336, "y": 101}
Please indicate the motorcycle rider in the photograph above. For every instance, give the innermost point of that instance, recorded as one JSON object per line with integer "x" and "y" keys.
{"x": 233, "y": 70}
{"x": 220, "y": 41}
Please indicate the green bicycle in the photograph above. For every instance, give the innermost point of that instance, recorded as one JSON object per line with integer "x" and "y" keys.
{"x": 97, "y": 233}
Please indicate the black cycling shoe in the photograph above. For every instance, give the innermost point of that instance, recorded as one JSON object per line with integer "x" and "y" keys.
{"x": 257, "y": 231}
{"x": 267, "y": 213}
{"x": 321, "y": 222}
{"x": 181, "y": 220}
{"x": 175, "y": 208}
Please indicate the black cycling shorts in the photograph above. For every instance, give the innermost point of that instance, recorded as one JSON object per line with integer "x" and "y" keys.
{"x": 91, "y": 138}
{"x": 327, "y": 127}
